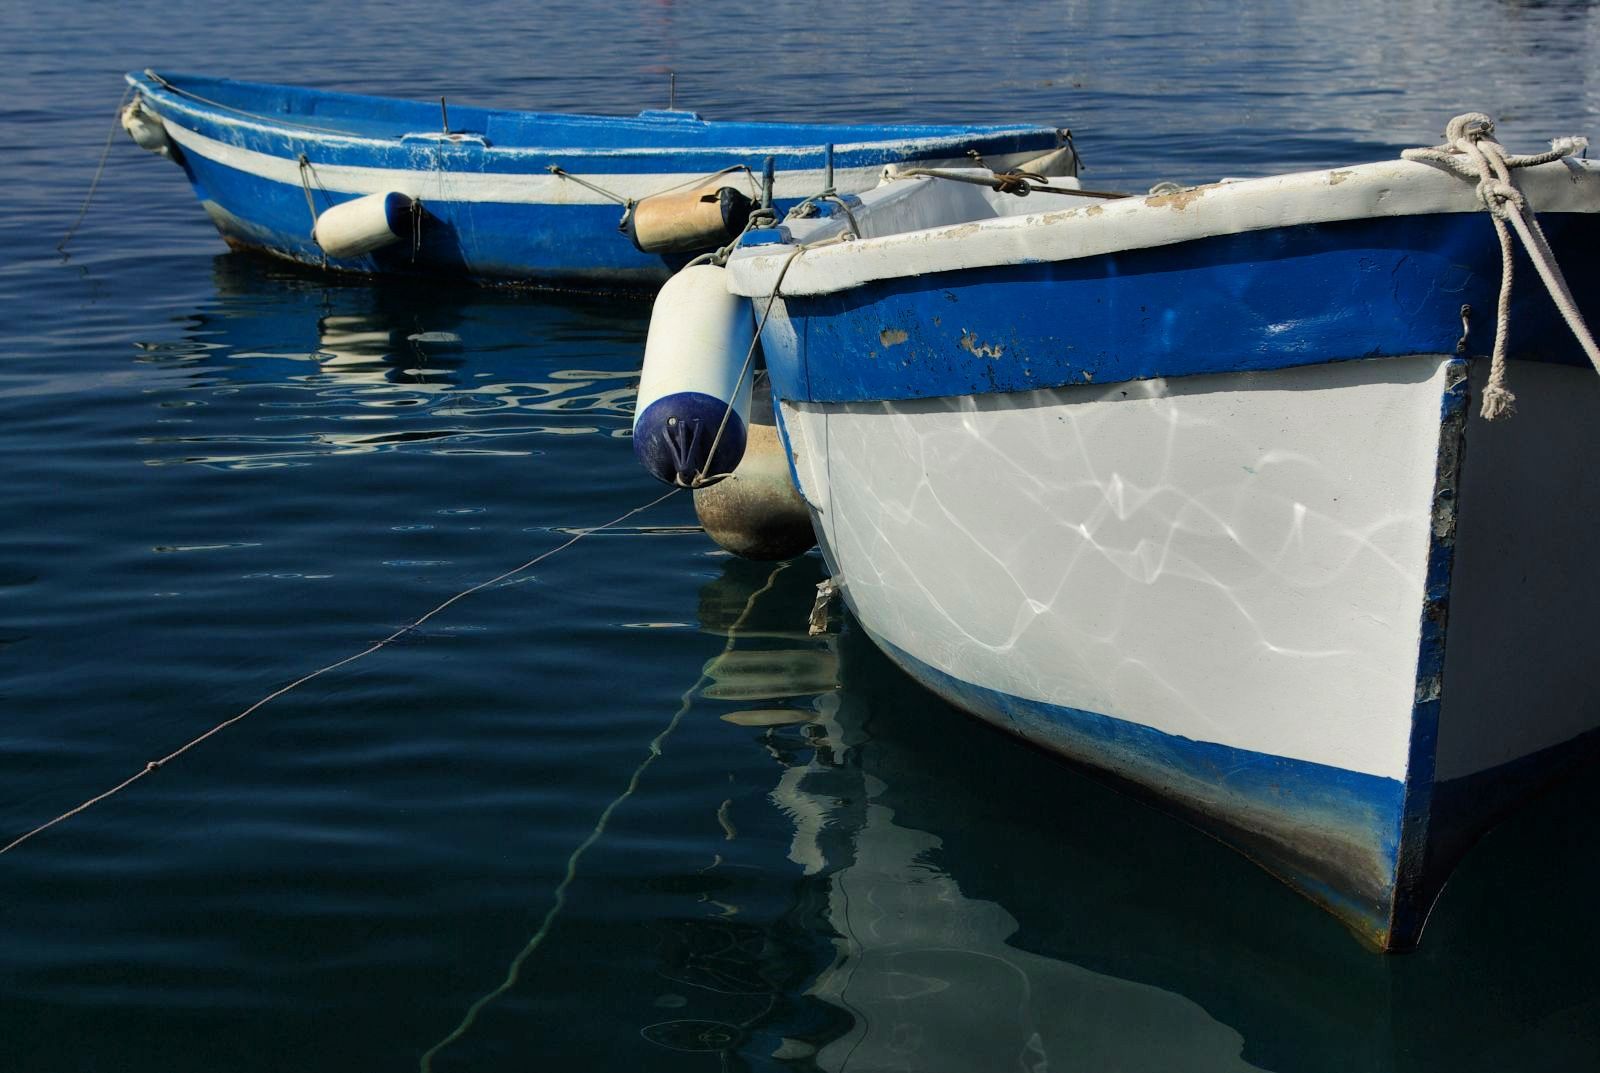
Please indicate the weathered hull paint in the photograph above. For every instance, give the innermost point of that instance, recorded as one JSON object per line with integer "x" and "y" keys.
{"x": 1232, "y": 303}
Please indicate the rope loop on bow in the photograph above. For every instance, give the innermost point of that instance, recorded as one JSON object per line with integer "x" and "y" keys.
{"x": 1471, "y": 152}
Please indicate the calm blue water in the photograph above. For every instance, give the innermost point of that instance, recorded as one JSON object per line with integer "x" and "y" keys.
{"x": 221, "y": 473}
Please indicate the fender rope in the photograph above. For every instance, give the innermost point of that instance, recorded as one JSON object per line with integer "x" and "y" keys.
{"x": 628, "y": 203}
{"x": 700, "y": 480}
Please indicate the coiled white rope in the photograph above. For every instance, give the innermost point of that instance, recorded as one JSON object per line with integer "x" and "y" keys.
{"x": 1471, "y": 152}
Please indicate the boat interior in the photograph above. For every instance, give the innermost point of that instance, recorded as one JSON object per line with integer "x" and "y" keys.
{"x": 941, "y": 197}
{"x": 360, "y": 115}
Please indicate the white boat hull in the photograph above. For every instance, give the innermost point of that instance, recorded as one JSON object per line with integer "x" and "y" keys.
{"x": 1231, "y": 591}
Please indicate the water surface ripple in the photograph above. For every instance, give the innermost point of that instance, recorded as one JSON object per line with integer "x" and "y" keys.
{"x": 222, "y": 473}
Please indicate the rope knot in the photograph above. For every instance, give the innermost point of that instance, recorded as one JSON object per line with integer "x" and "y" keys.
{"x": 1471, "y": 152}
{"x": 1499, "y": 196}
{"x": 1467, "y": 128}
{"x": 1009, "y": 183}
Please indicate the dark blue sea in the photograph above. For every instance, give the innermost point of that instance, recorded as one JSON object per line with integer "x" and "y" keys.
{"x": 621, "y": 812}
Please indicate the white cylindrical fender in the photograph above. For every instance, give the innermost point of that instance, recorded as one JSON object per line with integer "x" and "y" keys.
{"x": 364, "y": 224}
{"x": 700, "y": 335}
{"x": 145, "y": 128}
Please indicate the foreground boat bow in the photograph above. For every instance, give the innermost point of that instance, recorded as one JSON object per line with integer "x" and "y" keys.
{"x": 1189, "y": 488}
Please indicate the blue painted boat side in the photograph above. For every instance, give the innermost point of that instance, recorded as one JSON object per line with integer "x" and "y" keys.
{"x": 1330, "y": 833}
{"x": 1382, "y": 286}
{"x": 541, "y": 243}
{"x": 534, "y": 242}
{"x": 532, "y": 239}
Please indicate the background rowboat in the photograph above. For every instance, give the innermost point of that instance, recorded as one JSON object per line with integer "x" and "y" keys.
{"x": 507, "y": 196}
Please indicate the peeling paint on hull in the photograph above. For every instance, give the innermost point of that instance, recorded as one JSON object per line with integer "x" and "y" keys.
{"x": 1226, "y": 304}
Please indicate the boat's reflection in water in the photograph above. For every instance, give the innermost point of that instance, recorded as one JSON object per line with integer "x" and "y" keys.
{"x": 973, "y": 904}
{"x": 334, "y": 366}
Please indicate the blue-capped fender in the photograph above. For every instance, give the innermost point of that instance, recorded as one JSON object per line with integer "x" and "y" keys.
{"x": 697, "y": 370}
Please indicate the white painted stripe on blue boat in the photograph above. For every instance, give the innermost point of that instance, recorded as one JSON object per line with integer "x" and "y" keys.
{"x": 1074, "y": 229}
{"x": 1237, "y": 559}
{"x": 537, "y": 187}
{"x": 501, "y": 188}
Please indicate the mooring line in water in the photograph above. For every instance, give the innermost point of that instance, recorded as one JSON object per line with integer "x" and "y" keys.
{"x": 94, "y": 184}
{"x": 514, "y": 972}
{"x": 156, "y": 765}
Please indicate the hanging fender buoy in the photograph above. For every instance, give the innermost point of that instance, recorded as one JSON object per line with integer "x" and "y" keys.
{"x": 359, "y": 226}
{"x": 693, "y": 377}
{"x": 146, "y": 128}
{"x": 757, "y": 513}
{"x": 688, "y": 221}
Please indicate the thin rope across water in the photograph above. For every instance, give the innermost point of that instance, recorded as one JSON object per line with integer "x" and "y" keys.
{"x": 100, "y": 169}
{"x": 514, "y": 971}
{"x": 156, "y": 765}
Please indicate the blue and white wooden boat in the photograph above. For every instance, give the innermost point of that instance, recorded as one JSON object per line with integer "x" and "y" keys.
{"x": 1192, "y": 489}
{"x": 501, "y": 195}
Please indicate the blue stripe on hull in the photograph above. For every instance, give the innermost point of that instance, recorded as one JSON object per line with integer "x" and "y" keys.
{"x": 540, "y": 243}
{"x": 1333, "y": 834}
{"x": 527, "y": 242}
{"x": 1258, "y": 300}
